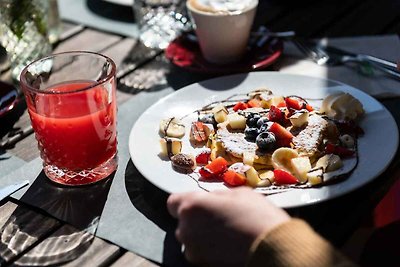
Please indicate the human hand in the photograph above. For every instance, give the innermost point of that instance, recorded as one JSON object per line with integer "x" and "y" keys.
{"x": 218, "y": 228}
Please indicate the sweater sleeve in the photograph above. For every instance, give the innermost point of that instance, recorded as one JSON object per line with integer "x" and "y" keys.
{"x": 294, "y": 243}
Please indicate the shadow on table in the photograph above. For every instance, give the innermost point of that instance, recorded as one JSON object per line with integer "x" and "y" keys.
{"x": 151, "y": 202}
{"x": 81, "y": 206}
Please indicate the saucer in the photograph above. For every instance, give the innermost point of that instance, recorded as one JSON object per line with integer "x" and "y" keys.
{"x": 185, "y": 52}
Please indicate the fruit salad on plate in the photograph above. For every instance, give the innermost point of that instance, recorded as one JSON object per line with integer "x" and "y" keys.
{"x": 269, "y": 142}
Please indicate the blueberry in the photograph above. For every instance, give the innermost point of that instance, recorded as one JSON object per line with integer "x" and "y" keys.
{"x": 266, "y": 141}
{"x": 265, "y": 127}
{"x": 252, "y": 119}
{"x": 251, "y": 133}
{"x": 262, "y": 121}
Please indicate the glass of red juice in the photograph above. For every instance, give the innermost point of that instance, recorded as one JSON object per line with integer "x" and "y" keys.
{"x": 72, "y": 105}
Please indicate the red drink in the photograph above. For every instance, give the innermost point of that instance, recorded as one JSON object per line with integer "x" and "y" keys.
{"x": 75, "y": 126}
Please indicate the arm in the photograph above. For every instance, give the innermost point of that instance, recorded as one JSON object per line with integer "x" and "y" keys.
{"x": 294, "y": 243}
{"x": 220, "y": 228}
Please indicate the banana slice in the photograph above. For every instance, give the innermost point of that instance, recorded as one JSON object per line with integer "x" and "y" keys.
{"x": 315, "y": 177}
{"x": 301, "y": 166}
{"x": 220, "y": 113}
{"x": 172, "y": 127}
{"x": 170, "y": 146}
{"x": 329, "y": 163}
{"x": 281, "y": 158}
{"x": 252, "y": 177}
{"x": 299, "y": 119}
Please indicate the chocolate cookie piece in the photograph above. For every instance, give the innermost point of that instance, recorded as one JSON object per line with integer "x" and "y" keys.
{"x": 183, "y": 163}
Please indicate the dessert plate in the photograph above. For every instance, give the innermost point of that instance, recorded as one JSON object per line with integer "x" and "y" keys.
{"x": 375, "y": 155}
{"x": 185, "y": 52}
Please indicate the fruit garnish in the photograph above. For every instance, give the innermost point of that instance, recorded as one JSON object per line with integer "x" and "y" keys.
{"x": 284, "y": 177}
{"x": 266, "y": 141}
{"x": 293, "y": 103}
{"x": 297, "y": 103}
{"x": 214, "y": 169}
{"x": 349, "y": 127}
{"x": 198, "y": 132}
{"x": 203, "y": 157}
{"x": 282, "y": 157}
{"x": 338, "y": 150}
{"x": 254, "y": 103}
{"x": 233, "y": 178}
{"x": 172, "y": 127}
{"x": 281, "y": 104}
{"x": 275, "y": 114}
{"x": 240, "y": 106}
{"x": 280, "y": 132}
{"x": 252, "y": 119}
{"x": 329, "y": 163}
{"x": 170, "y": 146}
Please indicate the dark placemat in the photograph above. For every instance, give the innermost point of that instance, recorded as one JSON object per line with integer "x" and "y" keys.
{"x": 124, "y": 209}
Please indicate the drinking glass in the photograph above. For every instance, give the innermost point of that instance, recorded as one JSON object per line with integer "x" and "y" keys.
{"x": 24, "y": 31}
{"x": 160, "y": 21}
{"x": 72, "y": 105}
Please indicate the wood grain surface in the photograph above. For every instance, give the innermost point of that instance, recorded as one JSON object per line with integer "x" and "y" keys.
{"x": 30, "y": 237}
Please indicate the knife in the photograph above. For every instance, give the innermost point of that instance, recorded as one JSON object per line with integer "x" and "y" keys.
{"x": 9, "y": 189}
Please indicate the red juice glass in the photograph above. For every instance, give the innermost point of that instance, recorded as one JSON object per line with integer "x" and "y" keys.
{"x": 72, "y": 105}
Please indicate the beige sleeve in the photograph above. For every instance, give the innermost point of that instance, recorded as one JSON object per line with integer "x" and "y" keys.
{"x": 294, "y": 243}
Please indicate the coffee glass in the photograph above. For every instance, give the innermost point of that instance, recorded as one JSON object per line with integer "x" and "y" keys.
{"x": 72, "y": 105}
{"x": 222, "y": 32}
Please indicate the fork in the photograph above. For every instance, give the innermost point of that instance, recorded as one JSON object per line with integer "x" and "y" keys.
{"x": 332, "y": 57}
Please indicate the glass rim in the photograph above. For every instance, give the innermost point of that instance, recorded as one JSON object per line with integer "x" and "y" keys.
{"x": 25, "y": 84}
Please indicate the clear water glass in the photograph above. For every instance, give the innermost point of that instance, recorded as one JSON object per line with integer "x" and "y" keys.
{"x": 24, "y": 32}
{"x": 160, "y": 21}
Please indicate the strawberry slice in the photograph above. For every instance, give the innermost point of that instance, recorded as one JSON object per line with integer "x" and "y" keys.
{"x": 214, "y": 169}
{"x": 275, "y": 114}
{"x": 281, "y": 105}
{"x": 254, "y": 103}
{"x": 293, "y": 103}
{"x": 284, "y": 177}
{"x": 309, "y": 107}
{"x": 342, "y": 152}
{"x": 233, "y": 178}
{"x": 280, "y": 132}
{"x": 198, "y": 133}
{"x": 240, "y": 106}
{"x": 203, "y": 158}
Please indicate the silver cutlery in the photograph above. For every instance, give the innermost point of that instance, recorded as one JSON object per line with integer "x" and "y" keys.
{"x": 332, "y": 56}
{"x": 10, "y": 189}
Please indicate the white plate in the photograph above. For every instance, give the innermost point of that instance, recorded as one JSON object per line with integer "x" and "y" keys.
{"x": 376, "y": 148}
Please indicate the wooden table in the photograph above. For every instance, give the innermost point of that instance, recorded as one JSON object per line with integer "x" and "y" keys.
{"x": 141, "y": 69}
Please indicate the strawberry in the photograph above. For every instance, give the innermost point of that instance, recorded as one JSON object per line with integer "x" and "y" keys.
{"x": 338, "y": 150}
{"x": 275, "y": 114}
{"x": 214, "y": 169}
{"x": 284, "y": 177}
{"x": 283, "y": 142}
{"x": 280, "y": 132}
{"x": 281, "y": 105}
{"x": 240, "y": 106}
{"x": 254, "y": 103}
{"x": 206, "y": 174}
{"x": 292, "y": 103}
{"x": 309, "y": 107}
{"x": 233, "y": 178}
{"x": 203, "y": 157}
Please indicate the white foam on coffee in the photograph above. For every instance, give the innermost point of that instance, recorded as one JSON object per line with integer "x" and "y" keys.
{"x": 226, "y": 5}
